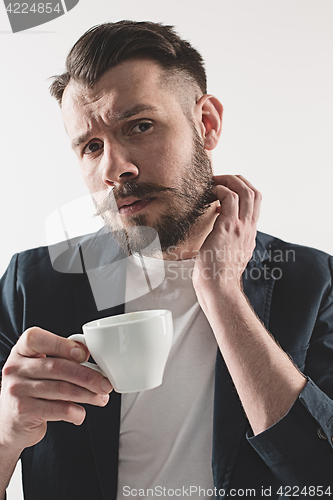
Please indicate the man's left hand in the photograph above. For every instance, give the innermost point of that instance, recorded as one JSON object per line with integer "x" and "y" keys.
{"x": 228, "y": 248}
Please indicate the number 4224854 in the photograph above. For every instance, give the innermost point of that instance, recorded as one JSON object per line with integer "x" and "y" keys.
{"x": 40, "y": 8}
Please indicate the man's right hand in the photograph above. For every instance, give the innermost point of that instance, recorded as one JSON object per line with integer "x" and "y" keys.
{"x": 37, "y": 388}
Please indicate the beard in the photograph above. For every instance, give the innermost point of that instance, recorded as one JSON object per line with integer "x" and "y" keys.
{"x": 186, "y": 204}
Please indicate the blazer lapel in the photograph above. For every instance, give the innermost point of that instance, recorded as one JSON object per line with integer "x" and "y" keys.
{"x": 103, "y": 427}
{"x": 258, "y": 283}
{"x": 230, "y": 422}
{"x": 104, "y": 276}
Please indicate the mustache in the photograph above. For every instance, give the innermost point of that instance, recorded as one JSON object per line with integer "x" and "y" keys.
{"x": 147, "y": 190}
{"x": 143, "y": 191}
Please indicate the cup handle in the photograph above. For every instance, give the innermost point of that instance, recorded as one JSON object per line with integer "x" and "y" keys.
{"x": 78, "y": 337}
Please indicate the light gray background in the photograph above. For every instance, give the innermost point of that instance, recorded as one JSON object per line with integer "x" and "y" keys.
{"x": 268, "y": 61}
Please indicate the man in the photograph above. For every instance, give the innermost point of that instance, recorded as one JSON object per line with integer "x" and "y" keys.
{"x": 137, "y": 112}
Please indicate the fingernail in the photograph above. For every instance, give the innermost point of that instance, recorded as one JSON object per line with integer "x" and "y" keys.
{"x": 78, "y": 354}
{"x": 106, "y": 386}
{"x": 105, "y": 398}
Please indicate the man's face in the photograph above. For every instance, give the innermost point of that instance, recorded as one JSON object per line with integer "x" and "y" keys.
{"x": 140, "y": 156}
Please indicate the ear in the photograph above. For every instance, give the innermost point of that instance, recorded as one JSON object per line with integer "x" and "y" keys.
{"x": 209, "y": 111}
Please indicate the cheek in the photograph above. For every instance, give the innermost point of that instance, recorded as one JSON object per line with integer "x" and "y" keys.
{"x": 93, "y": 179}
{"x": 164, "y": 161}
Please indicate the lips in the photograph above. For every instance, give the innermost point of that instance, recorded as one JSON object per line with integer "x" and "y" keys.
{"x": 125, "y": 202}
{"x": 132, "y": 205}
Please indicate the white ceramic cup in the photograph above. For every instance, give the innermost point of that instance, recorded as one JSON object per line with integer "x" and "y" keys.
{"x": 130, "y": 349}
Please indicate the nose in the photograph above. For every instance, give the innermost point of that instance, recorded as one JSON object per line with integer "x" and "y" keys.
{"x": 117, "y": 169}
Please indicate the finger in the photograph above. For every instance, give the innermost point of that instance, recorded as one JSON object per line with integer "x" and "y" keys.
{"x": 245, "y": 193}
{"x": 57, "y": 390}
{"x": 62, "y": 370}
{"x": 52, "y": 411}
{"x": 257, "y": 198}
{"x": 228, "y": 200}
{"x": 36, "y": 341}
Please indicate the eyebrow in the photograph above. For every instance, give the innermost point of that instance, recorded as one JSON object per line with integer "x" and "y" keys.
{"x": 118, "y": 118}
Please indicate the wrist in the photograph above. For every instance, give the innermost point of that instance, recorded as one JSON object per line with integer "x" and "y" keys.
{"x": 9, "y": 452}
{"x": 8, "y": 461}
{"x": 212, "y": 277}
{"x": 212, "y": 286}
{"x": 216, "y": 297}
{"x": 9, "y": 448}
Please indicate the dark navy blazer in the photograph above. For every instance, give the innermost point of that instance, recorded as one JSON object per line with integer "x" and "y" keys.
{"x": 290, "y": 289}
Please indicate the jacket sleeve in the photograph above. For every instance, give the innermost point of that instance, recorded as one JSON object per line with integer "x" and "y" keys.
{"x": 10, "y": 313}
{"x": 299, "y": 447}
{"x": 11, "y": 306}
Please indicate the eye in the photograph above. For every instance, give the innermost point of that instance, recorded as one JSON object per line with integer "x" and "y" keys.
{"x": 141, "y": 127}
{"x": 92, "y": 147}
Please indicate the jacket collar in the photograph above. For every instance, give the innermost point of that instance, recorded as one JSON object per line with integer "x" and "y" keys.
{"x": 105, "y": 276}
{"x": 103, "y": 424}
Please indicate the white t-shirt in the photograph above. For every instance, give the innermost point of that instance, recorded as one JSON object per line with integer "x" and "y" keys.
{"x": 166, "y": 433}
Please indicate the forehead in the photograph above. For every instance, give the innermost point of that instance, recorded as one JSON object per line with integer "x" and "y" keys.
{"x": 131, "y": 83}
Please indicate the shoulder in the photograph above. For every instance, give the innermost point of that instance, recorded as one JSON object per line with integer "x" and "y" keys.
{"x": 276, "y": 250}
{"x": 297, "y": 266}
{"x": 70, "y": 257}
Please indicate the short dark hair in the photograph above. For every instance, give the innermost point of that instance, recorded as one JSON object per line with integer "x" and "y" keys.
{"x": 106, "y": 45}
